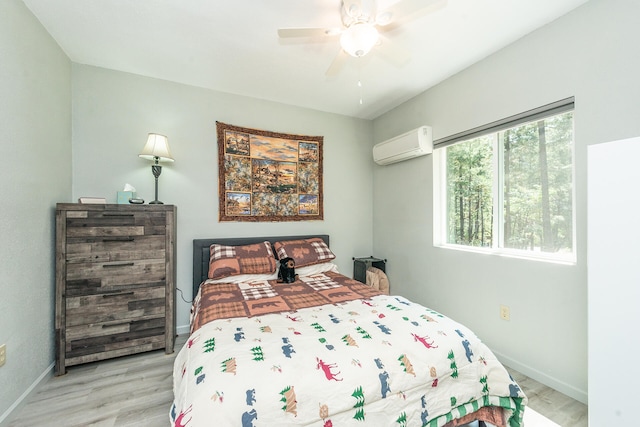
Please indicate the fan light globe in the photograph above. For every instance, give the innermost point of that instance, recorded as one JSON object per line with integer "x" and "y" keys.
{"x": 359, "y": 39}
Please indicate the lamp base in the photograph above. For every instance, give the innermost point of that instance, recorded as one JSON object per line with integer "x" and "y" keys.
{"x": 157, "y": 170}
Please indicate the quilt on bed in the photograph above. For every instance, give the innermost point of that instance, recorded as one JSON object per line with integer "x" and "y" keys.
{"x": 258, "y": 297}
{"x": 367, "y": 359}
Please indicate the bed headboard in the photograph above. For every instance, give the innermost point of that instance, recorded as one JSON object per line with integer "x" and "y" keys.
{"x": 201, "y": 252}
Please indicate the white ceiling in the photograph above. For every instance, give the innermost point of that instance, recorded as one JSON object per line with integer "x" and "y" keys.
{"x": 233, "y": 46}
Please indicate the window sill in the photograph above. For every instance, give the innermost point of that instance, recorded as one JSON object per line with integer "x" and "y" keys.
{"x": 568, "y": 259}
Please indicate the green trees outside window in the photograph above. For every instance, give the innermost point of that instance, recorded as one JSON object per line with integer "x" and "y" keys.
{"x": 513, "y": 189}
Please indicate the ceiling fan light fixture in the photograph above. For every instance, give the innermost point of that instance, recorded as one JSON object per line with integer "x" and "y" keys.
{"x": 359, "y": 39}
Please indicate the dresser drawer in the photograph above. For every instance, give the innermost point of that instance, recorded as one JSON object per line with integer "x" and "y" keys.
{"x": 109, "y": 309}
{"x": 115, "y": 223}
{"x": 109, "y": 249}
{"x": 95, "y": 342}
{"x": 91, "y": 278}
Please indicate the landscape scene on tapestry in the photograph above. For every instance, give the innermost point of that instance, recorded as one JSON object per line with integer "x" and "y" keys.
{"x": 270, "y": 177}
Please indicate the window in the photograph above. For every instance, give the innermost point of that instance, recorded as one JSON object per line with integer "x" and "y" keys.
{"x": 508, "y": 187}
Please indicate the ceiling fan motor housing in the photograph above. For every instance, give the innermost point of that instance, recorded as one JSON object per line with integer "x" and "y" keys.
{"x": 358, "y": 11}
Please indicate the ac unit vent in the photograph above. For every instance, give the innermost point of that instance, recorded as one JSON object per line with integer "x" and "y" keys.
{"x": 417, "y": 142}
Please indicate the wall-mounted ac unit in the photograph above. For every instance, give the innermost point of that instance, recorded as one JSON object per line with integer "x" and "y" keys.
{"x": 417, "y": 142}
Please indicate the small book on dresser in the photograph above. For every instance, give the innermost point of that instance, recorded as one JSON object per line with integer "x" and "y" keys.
{"x": 93, "y": 200}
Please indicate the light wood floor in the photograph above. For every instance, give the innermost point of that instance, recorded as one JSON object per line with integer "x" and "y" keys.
{"x": 559, "y": 408}
{"x": 137, "y": 391}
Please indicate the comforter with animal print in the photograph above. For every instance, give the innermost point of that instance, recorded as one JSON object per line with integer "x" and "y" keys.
{"x": 380, "y": 361}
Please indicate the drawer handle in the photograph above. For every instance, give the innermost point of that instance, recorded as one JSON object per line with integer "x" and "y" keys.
{"x": 124, "y": 264}
{"x": 116, "y": 214}
{"x": 118, "y": 239}
{"x": 117, "y": 324}
{"x": 117, "y": 294}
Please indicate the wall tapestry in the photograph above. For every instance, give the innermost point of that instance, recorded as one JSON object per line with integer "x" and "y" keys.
{"x": 268, "y": 176}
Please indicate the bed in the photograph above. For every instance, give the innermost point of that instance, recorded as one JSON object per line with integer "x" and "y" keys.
{"x": 324, "y": 350}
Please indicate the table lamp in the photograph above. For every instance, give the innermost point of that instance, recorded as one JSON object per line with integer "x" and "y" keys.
{"x": 157, "y": 150}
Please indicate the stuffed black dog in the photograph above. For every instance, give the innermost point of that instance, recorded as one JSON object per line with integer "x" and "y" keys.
{"x": 287, "y": 272}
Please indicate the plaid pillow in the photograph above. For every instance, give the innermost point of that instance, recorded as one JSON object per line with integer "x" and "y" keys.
{"x": 225, "y": 261}
{"x": 305, "y": 252}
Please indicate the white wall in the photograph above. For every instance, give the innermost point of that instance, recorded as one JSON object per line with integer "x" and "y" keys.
{"x": 35, "y": 142}
{"x": 613, "y": 282}
{"x": 114, "y": 111}
{"x": 591, "y": 54}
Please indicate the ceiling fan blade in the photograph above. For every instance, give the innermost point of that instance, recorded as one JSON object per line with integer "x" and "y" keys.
{"x": 307, "y": 32}
{"x": 337, "y": 64}
{"x": 395, "y": 54}
{"x": 406, "y": 8}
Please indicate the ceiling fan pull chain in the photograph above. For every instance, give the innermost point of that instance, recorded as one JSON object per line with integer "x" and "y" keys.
{"x": 360, "y": 79}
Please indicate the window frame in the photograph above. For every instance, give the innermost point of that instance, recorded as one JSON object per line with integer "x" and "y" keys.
{"x": 440, "y": 226}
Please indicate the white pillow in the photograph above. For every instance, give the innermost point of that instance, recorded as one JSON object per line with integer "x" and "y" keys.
{"x": 310, "y": 270}
{"x": 240, "y": 278}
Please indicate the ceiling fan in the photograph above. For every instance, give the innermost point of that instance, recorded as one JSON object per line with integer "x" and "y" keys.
{"x": 363, "y": 27}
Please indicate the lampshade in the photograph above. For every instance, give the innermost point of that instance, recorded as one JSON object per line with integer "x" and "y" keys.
{"x": 157, "y": 148}
{"x": 359, "y": 39}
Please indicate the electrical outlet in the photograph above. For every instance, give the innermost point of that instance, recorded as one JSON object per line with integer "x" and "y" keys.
{"x": 504, "y": 312}
{"x": 3, "y": 354}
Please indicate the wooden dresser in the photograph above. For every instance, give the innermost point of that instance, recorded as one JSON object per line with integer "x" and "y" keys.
{"x": 115, "y": 281}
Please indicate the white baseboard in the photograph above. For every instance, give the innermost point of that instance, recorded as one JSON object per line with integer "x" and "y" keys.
{"x": 47, "y": 372}
{"x": 571, "y": 391}
{"x": 184, "y": 329}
